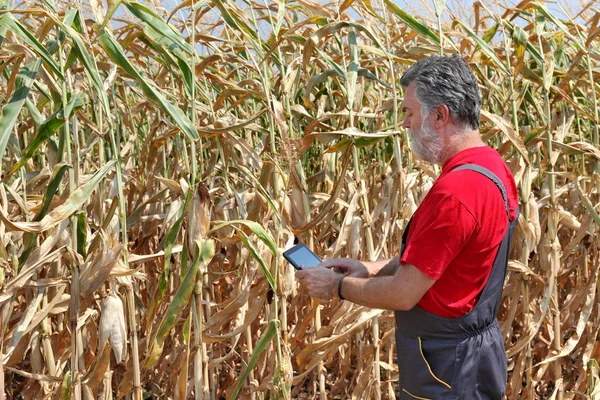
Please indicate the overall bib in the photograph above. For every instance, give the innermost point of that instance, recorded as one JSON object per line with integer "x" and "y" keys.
{"x": 457, "y": 358}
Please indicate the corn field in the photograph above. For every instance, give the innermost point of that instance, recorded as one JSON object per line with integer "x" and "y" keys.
{"x": 156, "y": 162}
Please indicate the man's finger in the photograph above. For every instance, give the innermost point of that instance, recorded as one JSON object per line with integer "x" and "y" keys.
{"x": 330, "y": 264}
{"x": 301, "y": 274}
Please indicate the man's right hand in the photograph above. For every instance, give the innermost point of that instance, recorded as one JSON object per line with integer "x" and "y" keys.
{"x": 347, "y": 266}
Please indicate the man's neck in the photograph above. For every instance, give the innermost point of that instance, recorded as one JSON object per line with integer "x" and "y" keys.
{"x": 460, "y": 141}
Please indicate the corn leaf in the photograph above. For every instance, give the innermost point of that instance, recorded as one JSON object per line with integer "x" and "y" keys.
{"x": 261, "y": 346}
{"x": 543, "y": 10}
{"x": 352, "y": 68}
{"x": 331, "y": 29}
{"x": 10, "y": 112}
{"x": 4, "y": 5}
{"x": 486, "y": 48}
{"x": 520, "y": 36}
{"x": 9, "y": 22}
{"x": 84, "y": 56}
{"x": 410, "y": 21}
{"x": 48, "y": 128}
{"x": 234, "y": 19}
{"x": 115, "y": 52}
{"x": 158, "y": 25}
{"x": 254, "y": 251}
{"x": 29, "y": 239}
{"x": 65, "y": 210}
{"x": 254, "y": 227}
{"x": 180, "y": 300}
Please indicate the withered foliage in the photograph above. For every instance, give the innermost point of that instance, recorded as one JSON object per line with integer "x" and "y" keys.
{"x": 155, "y": 164}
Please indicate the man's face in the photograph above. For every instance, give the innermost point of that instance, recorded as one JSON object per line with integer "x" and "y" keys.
{"x": 425, "y": 141}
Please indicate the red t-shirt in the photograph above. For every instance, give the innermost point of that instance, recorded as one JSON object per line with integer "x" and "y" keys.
{"x": 455, "y": 233}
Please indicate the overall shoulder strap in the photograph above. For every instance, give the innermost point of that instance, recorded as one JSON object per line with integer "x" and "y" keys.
{"x": 491, "y": 176}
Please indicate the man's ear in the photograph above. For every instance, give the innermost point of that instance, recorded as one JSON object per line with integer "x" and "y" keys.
{"x": 442, "y": 116}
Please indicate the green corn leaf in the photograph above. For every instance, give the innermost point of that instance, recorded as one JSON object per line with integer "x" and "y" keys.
{"x": 111, "y": 10}
{"x": 10, "y": 112}
{"x": 187, "y": 326}
{"x": 543, "y": 10}
{"x": 490, "y": 33}
{"x": 37, "y": 117}
{"x": 484, "y": 47}
{"x": 280, "y": 18}
{"x": 335, "y": 66}
{"x": 69, "y": 19}
{"x": 256, "y": 228}
{"x": 258, "y": 185}
{"x": 181, "y": 299}
{"x": 4, "y": 5}
{"x": 586, "y": 202}
{"x": 365, "y": 73}
{"x": 115, "y": 52}
{"x": 9, "y": 22}
{"x": 84, "y": 56}
{"x": 64, "y": 391}
{"x": 161, "y": 44}
{"x": 185, "y": 255}
{"x": 314, "y": 81}
{"x": 48, "y": 128}
{"x": 261, "y": 346}
{"x": 520, "y": 36}
{"x": 254, "y": 251}
{"x": 30, "y": 238}
{"x": 410, "y": 21}
{"x": 234, "y": 19}
{"x": 55, "y": 179}
{"x": 158, "y": 25}
{"x": 169, "y": 243}
{"x": 200, "y": 3}
{"x": 331, "y": 29}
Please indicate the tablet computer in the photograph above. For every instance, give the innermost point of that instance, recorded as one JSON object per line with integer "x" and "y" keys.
{"x": 301, "y": 256}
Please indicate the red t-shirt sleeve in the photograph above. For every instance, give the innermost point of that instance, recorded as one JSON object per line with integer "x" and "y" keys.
{"x": 437, "y": 236}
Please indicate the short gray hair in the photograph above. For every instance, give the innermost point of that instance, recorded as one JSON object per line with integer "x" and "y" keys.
{"x": 446, "y": 80}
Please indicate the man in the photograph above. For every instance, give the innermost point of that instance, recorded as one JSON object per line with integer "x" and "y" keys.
{"x": 446, "y": 285}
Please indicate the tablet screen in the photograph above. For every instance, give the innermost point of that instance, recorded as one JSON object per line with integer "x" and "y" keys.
{"x": 304, "y": 257}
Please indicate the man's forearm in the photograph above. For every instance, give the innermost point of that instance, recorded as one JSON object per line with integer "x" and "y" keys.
{"x": 400, "y": 291}
{"x": 382, "y": 268}
{"x": 382, "y": 292}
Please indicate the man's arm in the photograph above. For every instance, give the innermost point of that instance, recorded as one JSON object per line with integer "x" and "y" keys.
{"x": 382, "y": 268}
{"x": 365, "y": 269}
{"x": 401, "y": 291}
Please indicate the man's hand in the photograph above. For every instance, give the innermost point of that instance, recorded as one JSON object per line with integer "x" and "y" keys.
{"x": 320, "y": 282}
{"x": 353, "y": 268}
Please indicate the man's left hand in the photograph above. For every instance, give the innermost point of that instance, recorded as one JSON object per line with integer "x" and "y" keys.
{"x": 320, "y": 282}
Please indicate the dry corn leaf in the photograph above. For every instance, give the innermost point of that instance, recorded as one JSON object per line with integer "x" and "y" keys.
{"x": 60, "y": 213}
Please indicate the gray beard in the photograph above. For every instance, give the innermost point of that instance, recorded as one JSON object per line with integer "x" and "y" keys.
{"x": 426, "y": 144}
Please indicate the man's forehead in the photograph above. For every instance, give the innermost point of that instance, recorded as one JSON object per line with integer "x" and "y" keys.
{"x": 409, "y": 102}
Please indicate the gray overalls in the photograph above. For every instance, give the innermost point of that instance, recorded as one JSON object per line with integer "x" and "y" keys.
{"x": 457, "y": 358}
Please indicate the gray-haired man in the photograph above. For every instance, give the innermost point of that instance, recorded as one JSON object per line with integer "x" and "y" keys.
{"x": 446, "y": 284}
